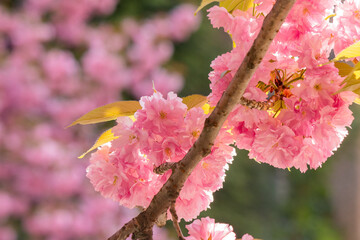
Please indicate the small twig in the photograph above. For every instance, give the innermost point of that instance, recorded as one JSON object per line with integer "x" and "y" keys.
{"x": 175, "y": 220}
{"x": 164, "y": 167}
{"x": 266, "y": 105}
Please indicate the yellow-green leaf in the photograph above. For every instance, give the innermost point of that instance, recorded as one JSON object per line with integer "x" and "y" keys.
{"x": 349, "y": 52}
{"x": 353, "y": 87}
{"x": 357, "y": 101}
{"x": 204, "y": 3}
{"x": 195, "y": 100}
{"x": 105, "y": 137}
{"x": 344, "y": 68}
{"x": 352, "y": 81}
{"x": 231, "y": 5}
{"x": 207, "y": 108}
{"x": 108, "y": 112}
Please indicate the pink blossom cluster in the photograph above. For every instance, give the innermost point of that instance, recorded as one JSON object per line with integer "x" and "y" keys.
{"x": 206, "y": 228}
{"x": 304, "y": 124}
{"x": 54, "y": 65}
{"x": 309, "y": 121}
{"x": 164, "y": 130}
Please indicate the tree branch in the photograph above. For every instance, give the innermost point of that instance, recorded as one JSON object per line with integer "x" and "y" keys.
{"x": 202, "y": 147}
{"x": 253, "y": 104}
{"x": 175, "y": 220}
{"x": 164, "y": 167}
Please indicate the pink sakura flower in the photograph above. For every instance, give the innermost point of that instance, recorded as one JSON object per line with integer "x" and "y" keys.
{"x": 314, "y": 50}
{"x": 207, "y": 177}
{"x": 194, "y": 123}
{"x": 276, "y": 145}
{"x": 103, "y": 7}
{"x": 220, "y": 77}
{"x": 346, "y": 25}
{"x": 247, "y": 237}
{"x": 193, "y": 199}
{"x": 326, "y": 138}
{"x": 104, "y": 67}
{"x": 72, "y": 32}
{"x": 206, "y": 228}
{"x": 126, "y": 136}
{"x": 310, "y": 155}
{"x": 308, "y": 14}
{"x": 244, "y": 137}
{"x": 107, "y": 38}
{"x": 164, "y": 149}
{"x": 209, "y": 174}
{"x": 103, "y": 174}
{"x": 179, "y": 21}
{"x": 7, "y": 233}
{"x": 148, "y": 54}
{"x": 160, "y": 116}
{"x": 224, "y": 67}
{"x": 220, "y": 17}
{"x": 351, "y": 10}
{"x": 62, "y": 70}
{"x": 250, "y": 117}
{"x": 123, "y": 178}
{"x": 316, "y": 89}
{"x": 264, "y": 6}
{"x": 38, "y": 6}
{"x": 243, "y": 122}
{"x": 244, "y": 30}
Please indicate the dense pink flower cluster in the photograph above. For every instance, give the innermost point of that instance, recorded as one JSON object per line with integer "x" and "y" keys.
{"x": 308, "y": 121}
{"x": 206, "y": 228}
{"x": 54, "y": 65}
{"x": 164, "y": 130}
{"x": 304, "y": 123}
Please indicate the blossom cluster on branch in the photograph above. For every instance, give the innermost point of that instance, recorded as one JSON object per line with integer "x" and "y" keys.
{"x": 55, "y": 63}
{"x": 307, "y": 121}
{"x": 294, "y": 112}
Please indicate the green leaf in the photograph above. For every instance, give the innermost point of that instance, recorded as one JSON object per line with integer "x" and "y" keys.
{"x": 108, "y": 112}
{"x": 204, "y": 3}
{"x": 349, "y": 52}
{"x": 232, "y": 5}
{"x": 344, "y": 68}
{"x": 195, "y": 100}
{"x": 105, "y": 137}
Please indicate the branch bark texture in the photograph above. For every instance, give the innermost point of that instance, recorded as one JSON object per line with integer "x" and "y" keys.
{"x": 168, "y": 194}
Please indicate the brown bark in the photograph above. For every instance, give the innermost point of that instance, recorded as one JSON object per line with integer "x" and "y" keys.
{"x": 202, "y": 147}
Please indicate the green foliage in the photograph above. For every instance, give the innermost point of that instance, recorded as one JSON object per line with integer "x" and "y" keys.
{"x": 275, "y": 204}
